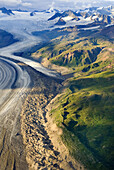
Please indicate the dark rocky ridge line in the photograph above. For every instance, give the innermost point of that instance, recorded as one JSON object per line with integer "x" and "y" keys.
{"x": 6, "y": 11}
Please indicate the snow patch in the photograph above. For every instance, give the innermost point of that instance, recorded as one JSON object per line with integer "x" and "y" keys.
{"x": 100, "y": 19}
{"x": 94, "y": 17}
{"x": 91, "y": 28}
{"x": 68, "y": 18}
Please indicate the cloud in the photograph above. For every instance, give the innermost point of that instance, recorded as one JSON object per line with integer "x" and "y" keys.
{"x": 14, "y": 3}
{"x": 62, "y": 4}
{"x": 26, "y": 4}
{"x": 52, "y": 4}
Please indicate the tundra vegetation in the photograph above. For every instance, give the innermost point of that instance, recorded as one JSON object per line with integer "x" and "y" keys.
{"x": 84, "y": 107}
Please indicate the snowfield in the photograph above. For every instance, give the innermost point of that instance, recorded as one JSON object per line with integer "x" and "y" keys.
{"x": 22, "y": 23}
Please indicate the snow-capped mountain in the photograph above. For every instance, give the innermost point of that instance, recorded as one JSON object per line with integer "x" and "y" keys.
{"x": 51, "y": 10}
{"x": 99, "y": 10}
{"x": 104, "y": 15}
{"x": 66, "y": 15}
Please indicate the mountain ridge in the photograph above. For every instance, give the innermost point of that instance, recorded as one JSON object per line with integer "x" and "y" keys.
{"x": 93, "y": 14}
{"x": 6, "y": 11}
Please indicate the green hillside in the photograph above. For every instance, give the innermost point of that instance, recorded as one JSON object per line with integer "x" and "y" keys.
{"x": 84, "y": 109}
{"x": 85, "y": 113}
{"x": 72, "y": 51}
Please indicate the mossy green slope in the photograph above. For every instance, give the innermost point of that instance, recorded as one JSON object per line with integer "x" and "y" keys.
{"x": 79, "y": 54}
{"x": 85, "y": 108}
{"x": 85, "y": 112}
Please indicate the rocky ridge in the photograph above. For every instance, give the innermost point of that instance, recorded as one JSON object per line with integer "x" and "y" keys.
{"x": 42, "y": 152}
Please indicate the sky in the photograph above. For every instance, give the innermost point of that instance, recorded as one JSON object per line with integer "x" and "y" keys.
{"x": 61, "y": 4}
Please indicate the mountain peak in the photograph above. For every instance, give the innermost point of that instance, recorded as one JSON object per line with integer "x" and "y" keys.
{"x": 60, "y": 22}
{"x": 50, "y": 10}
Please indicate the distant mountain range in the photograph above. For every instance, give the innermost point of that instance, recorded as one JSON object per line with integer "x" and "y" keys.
{"x": 20, "y": 10}
{"x": 104, "y": 15}
{"x": 9, "y": 11}
{"x": 94, "y": 16}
